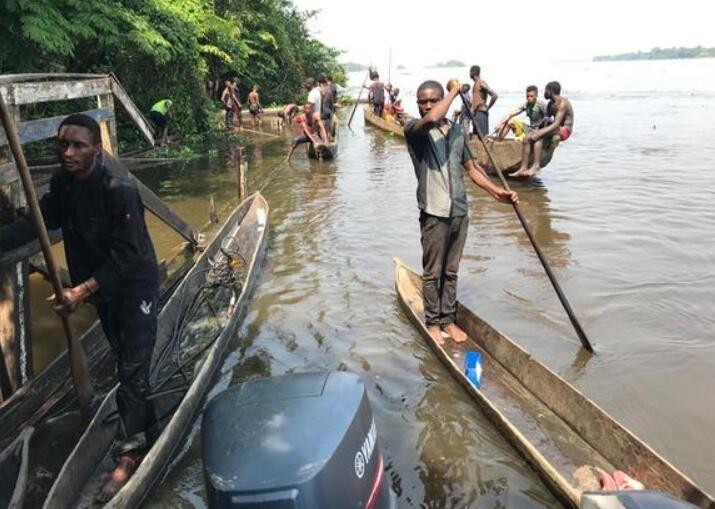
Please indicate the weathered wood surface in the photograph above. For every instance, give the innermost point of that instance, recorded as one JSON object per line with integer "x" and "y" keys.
{"x": 14, "y": 463}
{"x": 45, "y": 91}
{"x": 19, "y": 78}
{"x": 507, "y": 154}
{"x": 46, "y": 128}
{"x": 381, "y": 123}
{"x": 29, "y": 249}
{"x": 135, "y": 113}
{"x": 551, "y": 423}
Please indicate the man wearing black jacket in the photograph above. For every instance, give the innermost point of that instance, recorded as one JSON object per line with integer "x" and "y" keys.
{"x": 112, "y": 264}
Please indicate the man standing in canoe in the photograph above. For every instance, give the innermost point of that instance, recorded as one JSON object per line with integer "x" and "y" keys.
{"x": 559, "y": 129}
{"x": 440, "y": 155}
{"x": 480, "y": 108}
{"x": 112, "y": 264}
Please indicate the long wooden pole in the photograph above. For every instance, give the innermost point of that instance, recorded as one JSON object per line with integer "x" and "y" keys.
{"x": 552, "y": 277}
{"x": 357, "y": 100}
{"x": 78, "y": 358}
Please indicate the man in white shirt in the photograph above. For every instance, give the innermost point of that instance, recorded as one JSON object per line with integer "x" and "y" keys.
{"x": 314, "y": 95}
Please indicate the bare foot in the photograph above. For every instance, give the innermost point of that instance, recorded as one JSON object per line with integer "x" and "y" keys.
{"x": 520, "y": 172}
{"x": 436, "y": 334}
{"x": 454, "y": 332}
{"x": 532, "y": 171}
{"x": 126, "y": 466}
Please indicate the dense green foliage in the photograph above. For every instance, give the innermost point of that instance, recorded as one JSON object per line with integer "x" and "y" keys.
{"x": 168, "y": 48}
{"x": 660, "y": 54}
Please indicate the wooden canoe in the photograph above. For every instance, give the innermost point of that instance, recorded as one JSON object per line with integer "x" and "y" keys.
{"x": 386, "y": 125}
{"x": 329, "y": 151}
{"x": 13, "y": 470}
{"x": 178, "y": 402}
{"x": 553, "y": 425}
{"x": 507, "y": 153}
{"x": 52, "y": 388}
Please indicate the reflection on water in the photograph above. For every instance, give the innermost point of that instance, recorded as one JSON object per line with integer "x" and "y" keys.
{"x": 628, "y": 235}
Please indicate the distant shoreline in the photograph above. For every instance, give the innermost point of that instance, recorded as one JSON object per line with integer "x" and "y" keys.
{"x": 659, "y": 54}
{"x": 448, "y": 63}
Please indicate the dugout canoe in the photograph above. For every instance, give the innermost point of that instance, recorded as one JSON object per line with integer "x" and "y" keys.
{"x": 554, "y": 426}
{"x": 329, "y": 151}
{"x": 390, "y": 126}
{"x": 14, "y": 460}
{"x": 178, "y": 401}
{"x": 507, "y": 153}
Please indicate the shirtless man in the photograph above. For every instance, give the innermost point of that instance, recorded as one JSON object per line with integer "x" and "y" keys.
{"x": 254, "y": 105}
{"x": 288, "y": 113}
{"x": 313, "y": 130}
{"x": 559, "y": 129}
{"x": 480, "y": 108}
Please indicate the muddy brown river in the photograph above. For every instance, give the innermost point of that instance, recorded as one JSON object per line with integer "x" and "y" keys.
{"x": 625, "y": 215}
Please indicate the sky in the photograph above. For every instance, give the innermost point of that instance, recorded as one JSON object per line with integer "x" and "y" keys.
{"x": 424, "y": 33}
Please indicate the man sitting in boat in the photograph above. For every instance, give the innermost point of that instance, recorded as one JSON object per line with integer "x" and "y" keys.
{"x": 112, "y": 264}
{"x": 440, "y": 155}
{"x": 313, "y": 130}
{"x": 559, "y": 129}
{"x": 535, "y": 112}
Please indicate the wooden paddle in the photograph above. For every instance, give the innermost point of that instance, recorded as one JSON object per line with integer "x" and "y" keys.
{"x": 357, "y": 101}
{"x": 78, "y": 358}
{"x": 562, "y": 297}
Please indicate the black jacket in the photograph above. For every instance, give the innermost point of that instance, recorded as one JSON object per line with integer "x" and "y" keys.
{"x": 105, "y": 235}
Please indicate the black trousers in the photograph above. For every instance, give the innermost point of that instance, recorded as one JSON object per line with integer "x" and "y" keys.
{"x": 130, "y": 323}
{"x": 443, "y": 241}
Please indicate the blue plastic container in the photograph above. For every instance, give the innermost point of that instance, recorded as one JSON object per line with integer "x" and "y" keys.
{"x": 473, "y": 367}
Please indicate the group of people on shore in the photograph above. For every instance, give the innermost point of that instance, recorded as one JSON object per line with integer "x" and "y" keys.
{"x": 315, "y": 118}
{"x": 547, "y": 123}
{"x": 230, "y": 99}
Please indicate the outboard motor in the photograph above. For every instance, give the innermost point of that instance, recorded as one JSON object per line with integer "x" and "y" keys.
{"x": 299, "y": 441}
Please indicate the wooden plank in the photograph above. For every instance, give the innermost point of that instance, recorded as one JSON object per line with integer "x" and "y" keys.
{"x": 155, "y": 205}
{"x": 141, "y": 122}
{"x": 38, "y": 130}
{"x": 108, "y": 128}
{"x": 11, "y": 257}
{"x": 8, "y": 173}
{"x": 19, "y": 78}
{"x": 46, "y": 91}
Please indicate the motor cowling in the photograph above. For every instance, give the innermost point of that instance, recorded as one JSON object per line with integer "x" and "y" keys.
{"x": 299, "y": 441}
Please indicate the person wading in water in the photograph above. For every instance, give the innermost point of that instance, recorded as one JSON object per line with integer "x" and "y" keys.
{"x": 112, "y": 264}
{"x": 313, "y": 130}
{"x": 440, "y": 155}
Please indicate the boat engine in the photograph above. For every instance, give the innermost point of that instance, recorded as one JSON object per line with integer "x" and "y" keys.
{"x": 299, "y": 441}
